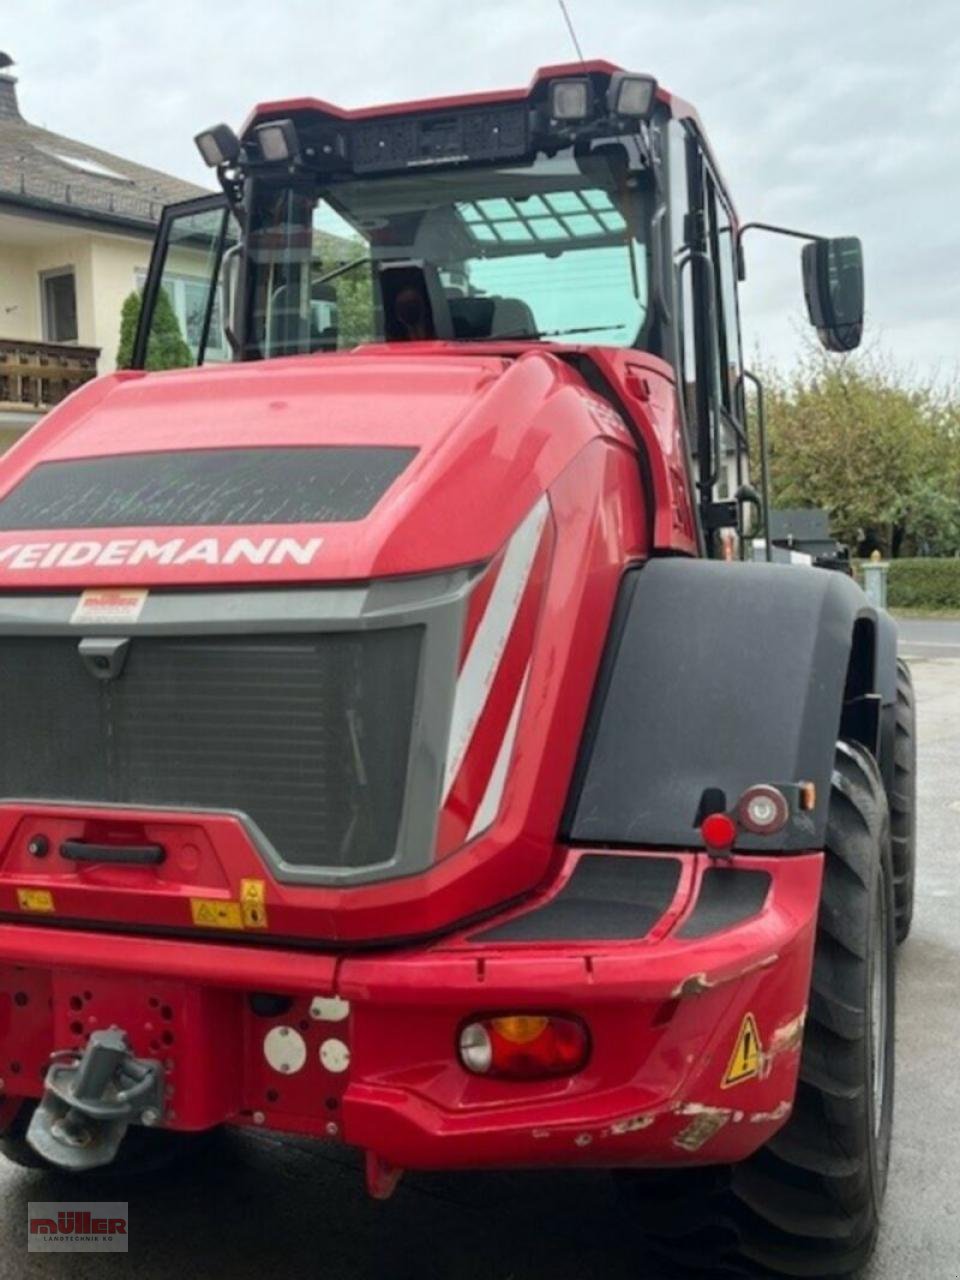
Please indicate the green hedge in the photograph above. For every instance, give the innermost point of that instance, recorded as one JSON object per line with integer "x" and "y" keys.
{"x": 926, "y": 583}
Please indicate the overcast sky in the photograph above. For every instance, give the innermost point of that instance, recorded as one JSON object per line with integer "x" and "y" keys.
{"x": 835, "y": 116}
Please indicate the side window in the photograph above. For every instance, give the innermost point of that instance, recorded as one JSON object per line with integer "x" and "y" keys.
{"x": 723, "y": 253}
{"x": 181, "y": 321}
{"x": 730, "y": 467}
{"x": 680, "y": 187}
{"x": 710, "y": 355}
{"x": 700, "y": 305}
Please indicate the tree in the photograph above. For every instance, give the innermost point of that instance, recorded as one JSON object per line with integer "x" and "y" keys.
{"x": 353, "y": 290}
{"x": 166, "y": 348}
{"x": 879, "y": 453}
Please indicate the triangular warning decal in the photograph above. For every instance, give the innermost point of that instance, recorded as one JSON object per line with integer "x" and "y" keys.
{"x": 747, "y": 1052}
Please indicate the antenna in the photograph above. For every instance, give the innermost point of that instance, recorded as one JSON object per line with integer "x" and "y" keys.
{"x": 573, "y": 34}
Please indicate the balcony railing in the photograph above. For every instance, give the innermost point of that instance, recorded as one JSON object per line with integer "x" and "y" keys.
{"x": 37, "y": 375}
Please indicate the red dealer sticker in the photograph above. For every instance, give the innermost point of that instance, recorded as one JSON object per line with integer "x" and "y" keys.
{"x": 112, "y": 605}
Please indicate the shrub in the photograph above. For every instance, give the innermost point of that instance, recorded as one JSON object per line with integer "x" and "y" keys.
{"x": 927, "y": 583}
{"x": 166, "y": 348}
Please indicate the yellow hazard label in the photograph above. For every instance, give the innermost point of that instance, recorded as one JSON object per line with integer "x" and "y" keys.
{"x": 213, "y": 913}
{"x": 253, "y": 890}
{"x": 253, "y": 897}
{"x": 35, "y": 900}
{"x": 254, "y": 915}
{"x": 745, "y": 1059}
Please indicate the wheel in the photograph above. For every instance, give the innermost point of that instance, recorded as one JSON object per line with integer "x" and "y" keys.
{"x": 903, "y": 802}
{"x": 143, "y": 1151}
{"x": 808, "y": 1203}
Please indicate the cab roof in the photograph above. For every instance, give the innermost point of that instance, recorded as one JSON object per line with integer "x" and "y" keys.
{"x": 678, "y": 107}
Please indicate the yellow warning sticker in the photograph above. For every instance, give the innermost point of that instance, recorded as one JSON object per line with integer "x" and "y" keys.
{"x": 747, "y": 1052}
{"x": 253, "y": 896}
{"x": 213, "y": 913}
{"x": 253, "y": 890}
{"x": 254, "y": 915}
{"x": 35, "y": 900}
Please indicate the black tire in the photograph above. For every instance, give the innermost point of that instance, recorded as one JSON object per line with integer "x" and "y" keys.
{"x": 808, "y": 1204}
{"x": 903, "y": 802}
{"x": 142, "y": 1152}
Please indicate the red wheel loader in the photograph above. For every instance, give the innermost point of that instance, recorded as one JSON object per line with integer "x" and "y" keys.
{"x": 392, "y": 750}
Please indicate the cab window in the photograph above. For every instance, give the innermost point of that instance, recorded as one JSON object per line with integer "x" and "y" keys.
{"x": 182, "y": 321}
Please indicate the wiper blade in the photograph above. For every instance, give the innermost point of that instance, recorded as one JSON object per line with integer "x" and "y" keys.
{"x": 542, "y": 333}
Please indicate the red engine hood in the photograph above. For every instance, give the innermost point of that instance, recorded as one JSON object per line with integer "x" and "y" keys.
{"x": 491, "y": 434}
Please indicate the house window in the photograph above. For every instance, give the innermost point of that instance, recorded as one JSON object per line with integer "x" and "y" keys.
{"x": 189, "y": 295}
{"x": 59, "y": 293}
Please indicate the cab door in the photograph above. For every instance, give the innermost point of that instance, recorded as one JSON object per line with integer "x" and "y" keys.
{"x": 184, "y": 318}
{"x": 709, "y": 347}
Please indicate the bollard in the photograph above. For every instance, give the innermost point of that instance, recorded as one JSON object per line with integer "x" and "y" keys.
{"x": 875, "y": 582}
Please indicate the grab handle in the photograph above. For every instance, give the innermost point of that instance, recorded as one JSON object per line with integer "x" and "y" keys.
{"x": 140, "y": 855}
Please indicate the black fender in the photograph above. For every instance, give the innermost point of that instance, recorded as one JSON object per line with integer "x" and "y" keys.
{"x": 717, "y": 677}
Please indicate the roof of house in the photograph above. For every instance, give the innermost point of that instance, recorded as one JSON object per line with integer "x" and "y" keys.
{"x": 45, "y": 171}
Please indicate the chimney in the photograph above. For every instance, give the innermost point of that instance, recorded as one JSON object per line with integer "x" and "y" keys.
{"x": 9, "y": 108}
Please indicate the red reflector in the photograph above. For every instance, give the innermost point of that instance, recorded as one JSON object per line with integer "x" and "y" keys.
{"x": 718, "y": 830}
{"x": 524, "y": 1046}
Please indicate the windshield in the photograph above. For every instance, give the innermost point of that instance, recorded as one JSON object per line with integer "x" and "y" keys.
{"x": 553, "y": 249}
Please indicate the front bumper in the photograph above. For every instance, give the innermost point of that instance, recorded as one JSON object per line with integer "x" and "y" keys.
{"x": 362, "y": 1047}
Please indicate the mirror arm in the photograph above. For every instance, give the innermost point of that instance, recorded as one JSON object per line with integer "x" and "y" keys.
{"x": 774, "y": 229}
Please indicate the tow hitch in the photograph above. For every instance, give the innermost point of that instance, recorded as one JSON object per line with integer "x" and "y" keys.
{"x": 91, "y": 1098}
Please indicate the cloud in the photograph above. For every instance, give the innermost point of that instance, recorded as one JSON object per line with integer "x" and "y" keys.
{"x": 840, "y": 116}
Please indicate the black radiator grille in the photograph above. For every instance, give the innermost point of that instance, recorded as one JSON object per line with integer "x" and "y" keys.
{"x": 308, "y": 735}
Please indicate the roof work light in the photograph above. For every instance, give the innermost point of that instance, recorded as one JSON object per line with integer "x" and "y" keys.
{"x": 218, "y": 145}
{"x": 631, "y": 96}
{"x": 278, "y": 141}
{"x": 570, "y": 99}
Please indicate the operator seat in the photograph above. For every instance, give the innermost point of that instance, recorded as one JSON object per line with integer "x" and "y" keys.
{"x": 487, "y": 316}
{"x": 415, "y": 307}
{"x": 513, "y": 318}
{"x": 472, "y": 317}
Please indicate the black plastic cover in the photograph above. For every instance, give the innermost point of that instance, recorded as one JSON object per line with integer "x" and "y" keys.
{"x": 205, "y": 487}
{"x": 609, "y": 897}
{"x": 717, "y": 676}
{"x": 727, "y": 897}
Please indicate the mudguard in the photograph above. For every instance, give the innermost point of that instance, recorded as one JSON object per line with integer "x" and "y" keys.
{"x": 717, "y": 677}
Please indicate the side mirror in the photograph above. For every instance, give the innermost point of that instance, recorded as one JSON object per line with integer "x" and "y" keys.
{"x": 833, "y": 286}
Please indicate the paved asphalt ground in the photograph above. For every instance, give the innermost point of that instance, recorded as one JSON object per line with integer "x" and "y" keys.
{"x": 257, "y": 1206}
